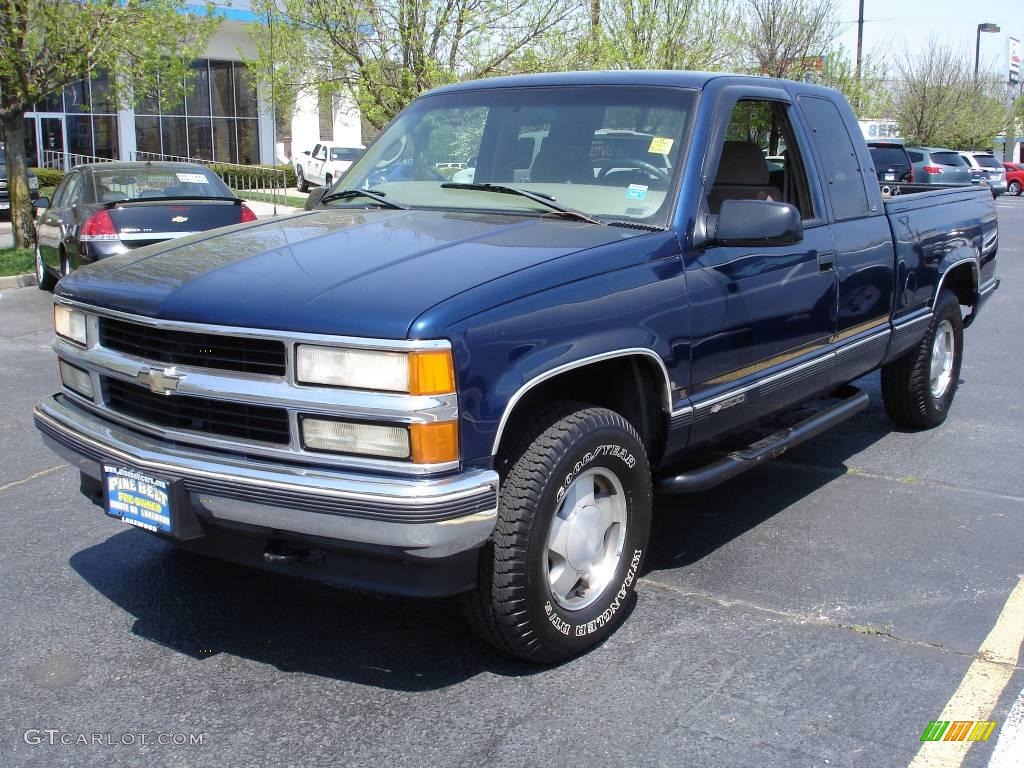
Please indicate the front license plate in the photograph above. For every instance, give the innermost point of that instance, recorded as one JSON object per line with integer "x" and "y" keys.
{"x": 890, "y": 177}
{"x": 138, "y": 499}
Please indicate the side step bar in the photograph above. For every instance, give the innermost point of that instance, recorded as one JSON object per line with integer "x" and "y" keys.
{"x": 853, "y": 402}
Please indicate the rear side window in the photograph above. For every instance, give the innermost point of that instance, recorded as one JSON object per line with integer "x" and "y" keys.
{"x": 888, "y": 156}
{"x": 838, "y": 158}
{"x": 916, "y": 157}
{"x": 949, "y": 158}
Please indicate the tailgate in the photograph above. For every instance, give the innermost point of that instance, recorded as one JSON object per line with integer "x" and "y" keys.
{"x": 142, "y": 222}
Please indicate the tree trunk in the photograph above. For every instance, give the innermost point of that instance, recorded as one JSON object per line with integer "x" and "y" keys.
{"x": 22, "y": 218}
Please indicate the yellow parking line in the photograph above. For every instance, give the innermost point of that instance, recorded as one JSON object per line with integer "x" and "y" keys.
{"x": 981, "y": 687}
{"x": 31, "y": 477}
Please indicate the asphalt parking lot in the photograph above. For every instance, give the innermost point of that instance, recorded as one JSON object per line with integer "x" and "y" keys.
{"x": 818, "y": 611}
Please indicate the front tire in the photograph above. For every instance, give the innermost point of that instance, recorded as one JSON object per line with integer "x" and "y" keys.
{"x": 300, "y": 180}
{"x": 559, "y": 573}
{"x": 44, "y": 280}
{"x": 1014, "y": 188}
{"x": 918, "y": 388}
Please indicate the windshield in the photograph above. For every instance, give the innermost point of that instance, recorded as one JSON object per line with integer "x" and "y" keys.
{"x": 609, "y": 151}
{"x": 155, "y": 182}
{"x": 344, "y": 153}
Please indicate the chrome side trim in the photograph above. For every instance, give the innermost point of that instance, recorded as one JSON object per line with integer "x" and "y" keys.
{"x": 702, "y": 408}
{"x": 919, "y": 316}
{"x": 874, "y": 338}
{"x": 938, "y": 288}
{"x": 128, "y": 237}
{"x": 395, "y": 345}
{"x": 627, "y": 352}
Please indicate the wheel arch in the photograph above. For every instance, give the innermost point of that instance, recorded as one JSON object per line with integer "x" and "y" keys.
{"x": 961, "y": 277}
{"x": 649, "y": 379}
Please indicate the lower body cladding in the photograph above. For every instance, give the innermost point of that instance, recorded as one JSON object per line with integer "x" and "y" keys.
{"x": 415, "y": 537}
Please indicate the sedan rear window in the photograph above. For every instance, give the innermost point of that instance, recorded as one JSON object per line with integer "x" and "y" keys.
{"x": 948, "y": 158}
{"x": 120, "y": 184}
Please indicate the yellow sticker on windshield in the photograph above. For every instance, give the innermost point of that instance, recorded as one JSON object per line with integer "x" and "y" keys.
{"x": 660, "y": 146}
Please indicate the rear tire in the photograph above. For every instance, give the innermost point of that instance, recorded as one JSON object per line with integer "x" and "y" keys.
{"x": 65, "y": 263}
{"x": 300, "y": 180}
{"x": 44, "y": 280}
{"x": 559, "y": 573}
{"x": 918, "y": 388}
{"x": 1014, "y": 188}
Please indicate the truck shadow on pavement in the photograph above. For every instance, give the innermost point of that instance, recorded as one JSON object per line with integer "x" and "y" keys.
{"x": 202, "y": 607}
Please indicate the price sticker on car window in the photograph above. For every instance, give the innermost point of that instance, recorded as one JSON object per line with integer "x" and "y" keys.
{"x": 192, "y": 178}
{"x": 636, "y": 192}
{"x": 660, "y": 146}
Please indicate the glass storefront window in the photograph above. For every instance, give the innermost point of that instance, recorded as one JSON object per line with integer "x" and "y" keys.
{"x": 105, "y": 135}
{"x": 79, "y": 128}
{"x": 217, "y": 120}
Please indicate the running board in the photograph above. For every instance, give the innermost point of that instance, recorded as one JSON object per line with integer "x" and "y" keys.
{"x": 853, "y": 402}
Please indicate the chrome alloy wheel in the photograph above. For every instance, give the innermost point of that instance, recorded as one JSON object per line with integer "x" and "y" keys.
{"x": 586, "y": 538}
{"x": 941, "y": 373}
{"x": 40, "y": 269}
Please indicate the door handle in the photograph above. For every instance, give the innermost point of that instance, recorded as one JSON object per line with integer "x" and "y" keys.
{"x": 826, "y": 260}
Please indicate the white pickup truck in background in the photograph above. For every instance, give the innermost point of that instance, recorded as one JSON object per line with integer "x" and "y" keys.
{"x": 323, "y": 164}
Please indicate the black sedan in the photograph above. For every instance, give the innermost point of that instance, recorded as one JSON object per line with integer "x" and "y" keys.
{"x": 104, "y": 209}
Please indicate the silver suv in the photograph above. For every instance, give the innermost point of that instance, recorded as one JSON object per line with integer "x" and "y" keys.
{"x": 985, "y": 168}
{"x": 935, "y": 165}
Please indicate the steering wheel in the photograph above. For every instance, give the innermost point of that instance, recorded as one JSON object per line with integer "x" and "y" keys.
{"x": 632, "y": 162}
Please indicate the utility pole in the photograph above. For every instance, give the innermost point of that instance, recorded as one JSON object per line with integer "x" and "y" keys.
{"x": 860, "y": 37}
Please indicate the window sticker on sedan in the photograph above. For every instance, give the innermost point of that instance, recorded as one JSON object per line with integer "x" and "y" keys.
{"x": 636, "y": 192}
{"x": 192, "y": 178}
{"x": 660, "y": 145}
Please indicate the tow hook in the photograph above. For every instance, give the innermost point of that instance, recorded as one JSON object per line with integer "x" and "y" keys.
{"x": 280, "y": 552}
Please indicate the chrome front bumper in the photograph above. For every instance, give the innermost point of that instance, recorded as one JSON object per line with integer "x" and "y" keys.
{"x": 421, "y": 517}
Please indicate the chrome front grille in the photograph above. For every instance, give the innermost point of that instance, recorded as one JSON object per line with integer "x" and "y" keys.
{"x": 199, "y": 414}
{"x": 201, "y": 350}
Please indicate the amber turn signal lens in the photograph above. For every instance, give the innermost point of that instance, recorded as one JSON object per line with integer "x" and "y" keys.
{"x": 435, "y": 443}
{"x": 431, "y": 373}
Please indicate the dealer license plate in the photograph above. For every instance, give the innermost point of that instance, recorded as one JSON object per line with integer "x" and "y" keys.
{"x": 138, "y": 499}
{"x": 890, "y": 177}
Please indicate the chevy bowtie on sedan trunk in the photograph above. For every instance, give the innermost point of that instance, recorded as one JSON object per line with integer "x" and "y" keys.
{"x": 435, "y": 387}
{"x": 105, "y": 209}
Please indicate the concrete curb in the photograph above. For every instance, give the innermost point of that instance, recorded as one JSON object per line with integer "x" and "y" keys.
{"x": 17, "y": 281}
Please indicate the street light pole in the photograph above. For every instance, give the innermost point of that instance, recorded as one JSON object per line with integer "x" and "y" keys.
{"x": 984, "y": 27}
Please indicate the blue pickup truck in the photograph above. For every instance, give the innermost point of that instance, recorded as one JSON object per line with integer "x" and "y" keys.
{"x": 430, "y": 386}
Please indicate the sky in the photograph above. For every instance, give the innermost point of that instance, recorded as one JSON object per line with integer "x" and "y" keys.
{"x": 898, "y": 25}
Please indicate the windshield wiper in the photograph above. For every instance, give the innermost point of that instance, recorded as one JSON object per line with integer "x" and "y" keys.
{"x": 377, "y": 197}
{"x": 538, "y": 197}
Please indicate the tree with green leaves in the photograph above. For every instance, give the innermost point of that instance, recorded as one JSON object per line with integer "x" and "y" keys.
{"x": 46, "y": 45}
{"x": 384, "y": 53}
{"x": 937, "y": 100}
{"x": 786, "y": 38}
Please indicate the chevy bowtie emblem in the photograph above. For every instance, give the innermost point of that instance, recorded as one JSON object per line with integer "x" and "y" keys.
{"x": 161, "y": 381}
{"x": 180, "y": 219}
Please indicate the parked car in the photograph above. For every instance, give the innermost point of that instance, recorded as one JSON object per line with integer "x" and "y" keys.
{"x": 429, "y": 387}
{"x": 891, "y": 161}
{"x": 935, "y": 165}
{"x": 5, "y": 200}
{"x": 104, "y": 209}
{"x": 323, "y": 164}
{"x": 986, "y": 169}
{"x": 1014, "y": 178}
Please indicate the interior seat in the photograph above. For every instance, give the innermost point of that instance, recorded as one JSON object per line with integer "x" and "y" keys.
{"x": 742, "y": 175}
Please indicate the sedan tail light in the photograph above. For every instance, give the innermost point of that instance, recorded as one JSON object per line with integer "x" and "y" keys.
{"x": 247, "y": 214}
{"x": 99, "y": 226}
{"x": 932, "y": 169}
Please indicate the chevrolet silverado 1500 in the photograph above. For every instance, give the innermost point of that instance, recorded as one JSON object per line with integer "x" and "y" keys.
{"x": 435, "y": 387}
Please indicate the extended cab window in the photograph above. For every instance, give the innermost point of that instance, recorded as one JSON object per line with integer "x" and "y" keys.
{"x": 608, "y": 151}
{"x": 843, "y": 177}
{"x": 760, "y": 159}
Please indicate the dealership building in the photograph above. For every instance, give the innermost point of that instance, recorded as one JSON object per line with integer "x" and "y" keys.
{"x": 225, "y": 117}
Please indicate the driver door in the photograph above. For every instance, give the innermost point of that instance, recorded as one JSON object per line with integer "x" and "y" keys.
{"x": 760, "y": 315}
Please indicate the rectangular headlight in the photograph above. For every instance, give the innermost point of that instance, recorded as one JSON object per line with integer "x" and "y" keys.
{"x": 69, "y": 323}
{"x": 428, "y": 372}
{"x": 355, "y": 438}
{"x": 75, "y": 379}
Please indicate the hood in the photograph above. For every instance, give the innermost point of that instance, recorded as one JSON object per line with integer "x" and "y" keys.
{"x": 343, "y": 272}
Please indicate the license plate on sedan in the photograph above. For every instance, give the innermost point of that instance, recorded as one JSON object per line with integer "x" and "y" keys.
{"x": 890, "y": 177}
{"x": 138, "y": 499}
{"x": 4, "y": 206}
